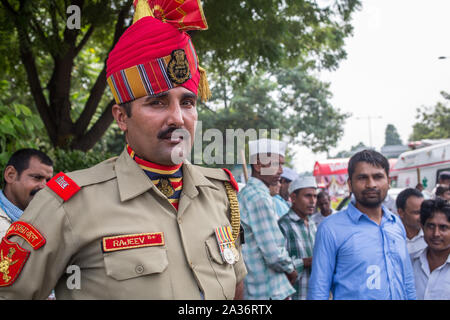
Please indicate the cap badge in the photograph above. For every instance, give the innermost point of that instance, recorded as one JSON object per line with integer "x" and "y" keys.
{"x": 165, "y": 187}
{"x": 178, "y": 67}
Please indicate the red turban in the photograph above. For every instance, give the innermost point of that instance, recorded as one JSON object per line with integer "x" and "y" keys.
{"x": 154, "y": 54}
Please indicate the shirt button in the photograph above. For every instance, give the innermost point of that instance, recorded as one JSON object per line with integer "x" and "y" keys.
{"x": 139, "y": 269}
{"x": 179, "y": 220}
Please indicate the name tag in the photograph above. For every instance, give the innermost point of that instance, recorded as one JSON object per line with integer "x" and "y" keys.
{"x": 131, "y": 241}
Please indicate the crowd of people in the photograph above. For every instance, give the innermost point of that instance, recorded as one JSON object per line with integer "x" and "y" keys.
{"x": 150, "y": 225}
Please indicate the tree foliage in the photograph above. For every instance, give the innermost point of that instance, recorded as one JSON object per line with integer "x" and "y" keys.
{"x": 290, "y": 101}
{"x": 61, "y": 74}
{"x": 433, "y": 122}
{"x": 391, "y": 136}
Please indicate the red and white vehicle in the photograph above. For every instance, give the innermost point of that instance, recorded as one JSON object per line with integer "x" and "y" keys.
{"x": 423, "y": 164}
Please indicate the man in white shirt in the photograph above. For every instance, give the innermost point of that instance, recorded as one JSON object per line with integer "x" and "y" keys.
{"x": 324, "y": 206}
{"x": 408, "y": 208}
{"x": 432, "y": 265}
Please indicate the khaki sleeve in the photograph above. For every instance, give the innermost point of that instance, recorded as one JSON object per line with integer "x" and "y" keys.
{"x": 45, "y": 265}
{"x": 239, "y": 268}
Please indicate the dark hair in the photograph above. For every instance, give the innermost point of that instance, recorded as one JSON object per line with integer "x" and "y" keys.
{"x": 445, "y": 175}
{"x": 20, "y": 159}
{"x": 283, "y": 180}
{"x": 127, "y": 107}
{"x": 322, "y": 194}
{"x": 440, "y": 190}
{"x": 403, "y": 196}
{"x": 370, "y": 156}
{"x": 430, "y": 207}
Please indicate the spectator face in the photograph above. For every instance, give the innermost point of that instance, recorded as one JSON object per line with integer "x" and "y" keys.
{"x": 304, "y": 202}
{"x": 324, "y": 204}
{"x": 284, "y": 188}
{"x": 437, "y": 232}
{"x": 411, "y": 215}
{"x": 369, "y": 184}
{"x": 270, "y": 168}
{"x": 446, "y": 195}
{"x": 20, "y": 189}
{"x": 149, "y": 129}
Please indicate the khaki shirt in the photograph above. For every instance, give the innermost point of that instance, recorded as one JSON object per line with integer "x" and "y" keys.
{"x": 117, "y": 198}
{"x": 5, "y": 222}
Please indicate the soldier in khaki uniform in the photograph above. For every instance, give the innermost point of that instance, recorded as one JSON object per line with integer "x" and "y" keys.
{"x": 139, "y": 226}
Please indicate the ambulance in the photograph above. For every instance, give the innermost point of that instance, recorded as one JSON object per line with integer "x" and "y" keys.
{"x": 422, "y": 165}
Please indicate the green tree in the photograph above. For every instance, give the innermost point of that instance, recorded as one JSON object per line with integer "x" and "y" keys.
{"x": 433, "y": 122}
{"x": 61, "y": 71}
{"x": 290, "y": 101}
{"x": 354, "y": 149}
{"x": 391, "y": 136}
{"x": 19, "y": 127}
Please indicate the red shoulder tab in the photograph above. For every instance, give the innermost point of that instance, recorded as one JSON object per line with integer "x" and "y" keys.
{"x": 63, "y": 186}
{"x": 28, "y": 232}
{"x": 12, "y": 260}
{"x": 232, "y": 180}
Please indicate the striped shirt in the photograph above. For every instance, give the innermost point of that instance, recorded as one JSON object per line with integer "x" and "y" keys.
{"x": 281, "y": 205}
{"x": 265, "y": 255}
{"x": 300, "y": 244}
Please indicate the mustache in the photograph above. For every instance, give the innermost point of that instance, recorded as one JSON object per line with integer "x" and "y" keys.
{"x": 371, "y": 191}
{"x": 34, "y": 191}
{"x": 180, "y": 133}
{"x": 163, "y": 134}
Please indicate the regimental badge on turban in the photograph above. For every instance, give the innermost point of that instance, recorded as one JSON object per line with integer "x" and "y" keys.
{"x": 155, "y": 54}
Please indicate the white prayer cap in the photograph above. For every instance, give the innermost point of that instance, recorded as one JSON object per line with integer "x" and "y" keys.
{"x": 289, "y": 174}
{"x": 302, "y": 182}
{"x": 266, "y": 146}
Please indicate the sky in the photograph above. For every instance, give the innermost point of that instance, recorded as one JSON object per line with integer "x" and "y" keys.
{"x": 392, "y": 68}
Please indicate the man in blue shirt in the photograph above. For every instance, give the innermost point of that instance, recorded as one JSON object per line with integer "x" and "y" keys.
{"x": 360, "y": 252}
{"x": 26, "y": 172}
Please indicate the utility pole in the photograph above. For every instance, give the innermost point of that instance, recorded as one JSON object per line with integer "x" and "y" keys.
{"x": 369, "y": 119}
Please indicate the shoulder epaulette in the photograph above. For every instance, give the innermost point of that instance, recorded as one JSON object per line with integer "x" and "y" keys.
{"x": 67, "y": 185}
{"x": 63, "y": 186}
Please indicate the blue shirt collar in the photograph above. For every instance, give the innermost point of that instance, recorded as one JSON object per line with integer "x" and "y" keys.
{"x": 355, "y": 214}
{"x": 10, "y": 209}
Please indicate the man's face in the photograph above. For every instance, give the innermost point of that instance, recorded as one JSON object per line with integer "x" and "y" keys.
{"x": 304, "y": 203}
{"x": 411, "y": 215}
{"x": 20, "y": 189}
{"x": 284, "y": 187}
{"x": 446, "y": 195}
{"x": 150, "y": 129}
{"x": 369, "y": 184}
{"x": 270, "y": 168}
{"x": 436, "y": 232}
{"x": 324, "y": 204}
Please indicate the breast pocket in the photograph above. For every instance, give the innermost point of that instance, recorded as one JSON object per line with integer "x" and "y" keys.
{"x": 224, "y": 272}
{"x": 128, "y": 264}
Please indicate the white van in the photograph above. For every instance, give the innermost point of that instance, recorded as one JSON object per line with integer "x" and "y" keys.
{"x": 423, "y": 164}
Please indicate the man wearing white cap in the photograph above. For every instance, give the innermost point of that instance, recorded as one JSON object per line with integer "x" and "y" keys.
{"x": 300, "y": 231}
{"x": 286, "y": 179}
{"x": 270, "y": 269}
